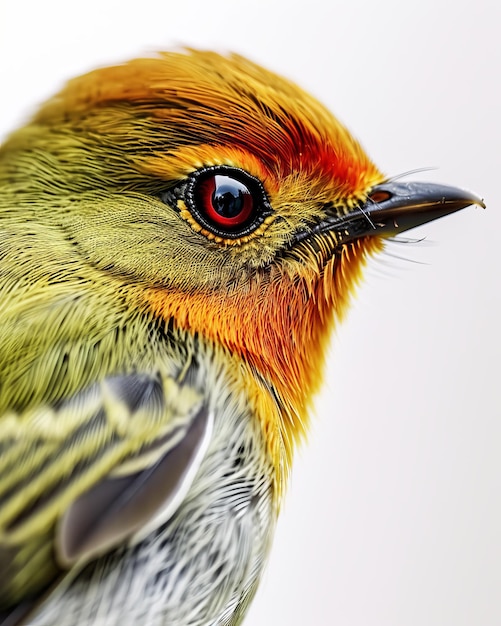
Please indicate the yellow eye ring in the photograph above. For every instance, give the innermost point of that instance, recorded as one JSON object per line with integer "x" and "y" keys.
{"x": 185, "y": 213}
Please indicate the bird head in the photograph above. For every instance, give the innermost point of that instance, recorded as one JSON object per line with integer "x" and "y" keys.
{"x": 230, "y": 202}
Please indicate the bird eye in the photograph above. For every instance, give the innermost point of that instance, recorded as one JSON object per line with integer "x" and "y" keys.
{"x": 227, "y": 201}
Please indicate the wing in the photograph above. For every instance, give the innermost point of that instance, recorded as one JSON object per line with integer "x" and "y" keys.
{"x": 82, "y": 476}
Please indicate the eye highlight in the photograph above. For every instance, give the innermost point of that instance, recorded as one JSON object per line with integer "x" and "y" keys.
{"x": 227, "y": 201}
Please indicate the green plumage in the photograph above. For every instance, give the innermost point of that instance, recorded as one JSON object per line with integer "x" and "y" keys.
{"x": 66, "y": 326}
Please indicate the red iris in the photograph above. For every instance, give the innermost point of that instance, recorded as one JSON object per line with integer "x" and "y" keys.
{"x": 225, "y": 201}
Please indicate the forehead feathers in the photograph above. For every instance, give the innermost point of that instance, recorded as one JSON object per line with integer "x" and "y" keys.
{"x": 228, "y": 105}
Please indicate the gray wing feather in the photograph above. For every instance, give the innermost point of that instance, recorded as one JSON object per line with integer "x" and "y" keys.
{"x": 82, "y": 476}
{"x": 118, "y": 507}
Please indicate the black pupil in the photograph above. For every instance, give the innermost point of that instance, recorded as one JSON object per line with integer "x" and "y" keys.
{"x": 228, "y": 196}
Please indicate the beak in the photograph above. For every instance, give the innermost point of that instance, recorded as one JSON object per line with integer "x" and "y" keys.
{"x": 393, "y": 208}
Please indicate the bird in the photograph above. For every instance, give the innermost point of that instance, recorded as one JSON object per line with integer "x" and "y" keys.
{"x": 179, "y": 236}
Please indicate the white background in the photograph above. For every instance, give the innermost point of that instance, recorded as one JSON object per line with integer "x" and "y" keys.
{"x": 393, "y": 515}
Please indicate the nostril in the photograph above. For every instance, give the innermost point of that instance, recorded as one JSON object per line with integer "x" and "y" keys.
{"x": 378, "y": 196}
